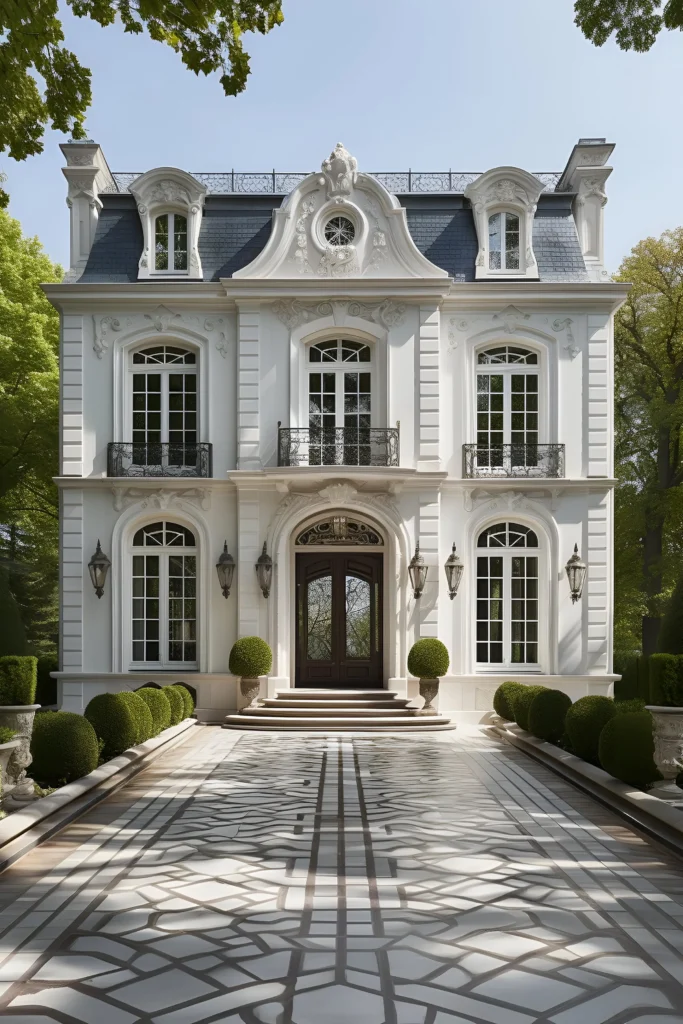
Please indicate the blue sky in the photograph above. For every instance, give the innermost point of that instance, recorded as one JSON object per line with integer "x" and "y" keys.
{"x": 439, "y": 84}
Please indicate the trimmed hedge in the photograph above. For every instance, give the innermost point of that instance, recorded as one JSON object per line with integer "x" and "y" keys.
{"x": 666, "y": 680}
{"x": 521, "y": 704}
{"x": 177, "y": 703}
{"x": 503, "y": 700}
{"x": 141, "y": 714}
{"x": 428, "y": 659}
{"x": 46, "y": 690}
{"x": 585, "y": 721}
{"x": 626, "y": 706}
{"x": 250, "y": 657}
{"x": 626, "y": 748}
{"x": 187, "y": 699}
{"x": 18, "y": 679}
{"x": 159, "y": 707}
{"x": 64, "y": 747}
{"x": 114, "y": 722}
{"x": 547, "y": 713}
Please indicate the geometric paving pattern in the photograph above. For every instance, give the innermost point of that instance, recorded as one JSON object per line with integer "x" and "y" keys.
{"x": 284, "y": 879}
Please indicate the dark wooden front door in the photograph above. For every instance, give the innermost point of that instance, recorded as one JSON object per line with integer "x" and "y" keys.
{"x": 339, "y": 620}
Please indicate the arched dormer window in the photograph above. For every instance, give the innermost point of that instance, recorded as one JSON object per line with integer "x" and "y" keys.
{"x": 170, "y": 204}
{"x": 504, "y": 203}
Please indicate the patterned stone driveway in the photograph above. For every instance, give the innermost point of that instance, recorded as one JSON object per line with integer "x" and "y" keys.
{"x": 275, "y": 879}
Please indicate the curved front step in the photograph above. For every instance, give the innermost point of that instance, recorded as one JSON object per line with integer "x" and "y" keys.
{"x": 333, "y": 724}
{"x": 311, "y": 693}
{"x": 334, "y": 712}
{"x": 334, "y": 705}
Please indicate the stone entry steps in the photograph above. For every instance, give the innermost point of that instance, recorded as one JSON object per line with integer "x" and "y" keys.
{"x": 334, "y": 711}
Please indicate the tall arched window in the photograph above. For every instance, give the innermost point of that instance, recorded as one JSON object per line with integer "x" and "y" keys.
{"x": 507, "y": 408}
{"x": 170, "y": 243}
{"x": 164, "y": 597}
{"x": 503, "y": 241}
{"x": 340, "y": 403}
{"x": 164, "y": 408}
{"x": 507, "y": 620}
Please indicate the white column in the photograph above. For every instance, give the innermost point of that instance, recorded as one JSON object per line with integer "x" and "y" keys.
{"x": 248, "y": 370}
{"x": 599, "y": 397}
{"x": 428, "y": 451}
{"x": 71, "y": 384}
{"x": 429, "y": 549}
{"x": 71, "y": 579}
{"x": 597, "y": 591}
{"x": 249, "y": 545}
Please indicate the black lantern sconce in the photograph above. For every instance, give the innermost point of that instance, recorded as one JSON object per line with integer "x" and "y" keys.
{"x": 454, "y": 569}
{"x": 225, "y": 567}
{"x": 417, "y": 570}
{"x": 98, "y": 567}
{"x": 576, "y": 574}
{"x": 264, "y": 571}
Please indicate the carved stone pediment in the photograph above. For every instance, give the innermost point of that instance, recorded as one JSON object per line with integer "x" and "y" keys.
{"x": 162, "y": 498}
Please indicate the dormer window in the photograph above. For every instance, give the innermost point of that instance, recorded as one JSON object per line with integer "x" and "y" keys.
{"x": 503, "y": 241}
{"x": 170, "y": 227}
{"x": 170, "y": 205}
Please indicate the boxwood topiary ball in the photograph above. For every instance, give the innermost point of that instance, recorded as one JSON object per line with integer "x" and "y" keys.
{"x": 503, "y": 699}
{"x": 18, "y": 680}
{"x": 112, "y": 718}
{"x": 250, "y": 657}
{"x": 141, "y": 713}
{"x": 626, "y": 748}
{"x": 428, "y": 659}
{"x": 187, "y": 699}
{"x": 547, "y": 713}
{"x": 521, "y": 702}
{"x": 64, "y": 747}
{"x": 159, "y": 706}
{"x": 585, "y": 721}
{"x": 176, "y": 702}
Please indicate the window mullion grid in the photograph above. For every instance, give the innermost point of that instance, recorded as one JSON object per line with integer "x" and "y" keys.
{"x": 507, "y": 608}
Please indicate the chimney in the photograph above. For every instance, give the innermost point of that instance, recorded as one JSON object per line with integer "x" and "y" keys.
{"x": 585, "y": 174}
{"x": 88, "y": 174}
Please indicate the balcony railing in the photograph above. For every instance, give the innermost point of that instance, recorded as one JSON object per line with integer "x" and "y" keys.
{"x": 159, "y": 459}
{"x": 339, "y": 446}
{"x": 501, "y": 460}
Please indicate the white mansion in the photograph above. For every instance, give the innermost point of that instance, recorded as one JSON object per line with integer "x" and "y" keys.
{"x": 328, "y": 371}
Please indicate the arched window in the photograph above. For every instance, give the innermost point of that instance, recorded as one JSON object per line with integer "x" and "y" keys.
{"x": 170, "y": 242}
{"x": 503, "y": 241}
{"x": 164, "y": 409}
{"x": 340, "y": 403}
{"x": 164, "y": 597}
{"x": 507, "y": 410}
{"x": 507, "y": 612}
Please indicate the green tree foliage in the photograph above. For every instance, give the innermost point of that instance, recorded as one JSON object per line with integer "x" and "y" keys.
{"x": 29, "y": 396}
{"x": 207, "y": 34}
{"x": 671, "y": 633}
{"x": 635, "y": 24}
{"x": 649, "y": 455}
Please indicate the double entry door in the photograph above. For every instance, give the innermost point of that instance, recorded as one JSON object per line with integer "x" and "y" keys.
{"x": 339, "y": 620}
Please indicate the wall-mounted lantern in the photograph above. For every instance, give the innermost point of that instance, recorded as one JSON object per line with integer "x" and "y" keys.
{"x": 417, "y": 570}
{"x": 576, "y": 574}
{"x": 454, "y": 569}
{"x": 98, "y": 567}
{"x": 225, "y": 567}
{"x": 264, "y": 571}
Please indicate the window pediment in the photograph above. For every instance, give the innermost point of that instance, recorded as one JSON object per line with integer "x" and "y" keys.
{"x": 504, "y": 202}
{"x": 170, "y": 203}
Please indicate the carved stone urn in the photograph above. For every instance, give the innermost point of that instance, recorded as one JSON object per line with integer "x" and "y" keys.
{"x": 667, "y": 731}
{"x": 17, "y": 786}
{"x": 6, "y": 751}
{"x": 250, "y": 689}
{"x": 429, "y": 689}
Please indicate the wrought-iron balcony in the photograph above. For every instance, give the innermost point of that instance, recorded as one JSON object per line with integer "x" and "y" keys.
{"x": 338, "y": 446}
{"x": 159, "y": 459}
{"x": 502, "y": 460}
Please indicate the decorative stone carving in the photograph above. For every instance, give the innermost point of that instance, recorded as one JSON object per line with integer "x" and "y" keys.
{"x": 337, "y": 261}
{"x": 250, "y": 689}
{"x": 338, "y": 493}
{"x": 452, "y": 337}
{"x": 19, "y": 788}
{"x": 293, "y": 312}
{"x": 592, "y": 187}
{"x": 385, "y": 312}
{"x": 289, "y": 504}
{"x": 667, "y": 732}
{"x": 340, "y": 173}
{"x": 162, "y": 499}
{"x": 168, "y": 189}
{"x": 519, "y": 191}
{"x": 511, "y": 318}
{"x": 102, "y": 327}
{"x": 214, "y": 325}
{"x": 565, "y": 324}
{"x": 300, "y": 254}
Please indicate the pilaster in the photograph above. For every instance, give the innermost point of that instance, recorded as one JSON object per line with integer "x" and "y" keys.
{"x": 249, "y": 597}
{"x": 71, "y": 385}
{"x": 71, "y": 579}
{"x": 428, "y": 527}
{"x": 429, "y": 397}
{"x": 248, "y": 371}
{"x": 599, "y": 396}
{"x": 598, "y": 586}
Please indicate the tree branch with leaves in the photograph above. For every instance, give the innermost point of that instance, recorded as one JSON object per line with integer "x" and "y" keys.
{"x": 635, "y": 24}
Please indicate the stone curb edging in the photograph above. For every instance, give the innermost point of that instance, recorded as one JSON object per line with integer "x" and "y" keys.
{"x": 25, "y": 829}
{"x": 658, "y": 819}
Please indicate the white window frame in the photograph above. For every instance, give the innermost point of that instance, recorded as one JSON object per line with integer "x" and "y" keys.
{"x": 163, "y": 551}
{"x": 505, "y": 190}
{"x": 506, "y": 371}
{"x": 503, "y": 212}
{"x": 171, "y": 213}
{"x": 165, "y": 369}
{"x": 339, "y": 368}
{"x": 168, "y": 190}
{"x": 543, "y": 622}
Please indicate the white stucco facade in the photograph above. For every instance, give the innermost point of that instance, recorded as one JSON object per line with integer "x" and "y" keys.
{"x": 250, "y": 336}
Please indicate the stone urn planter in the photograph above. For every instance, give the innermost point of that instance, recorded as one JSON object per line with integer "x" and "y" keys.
{"x": 667, "y": 732}
{"x": 6, "y": 751}
{"x": 250, "y": 658}
{"x": 17, "y": 786}
{"x": 250, "y": 689}
{"x": 429, "y": 690}
{"x": 428, "y": 659}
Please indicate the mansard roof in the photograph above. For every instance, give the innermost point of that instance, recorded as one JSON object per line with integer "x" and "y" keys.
{"x": 235, "y": 229}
